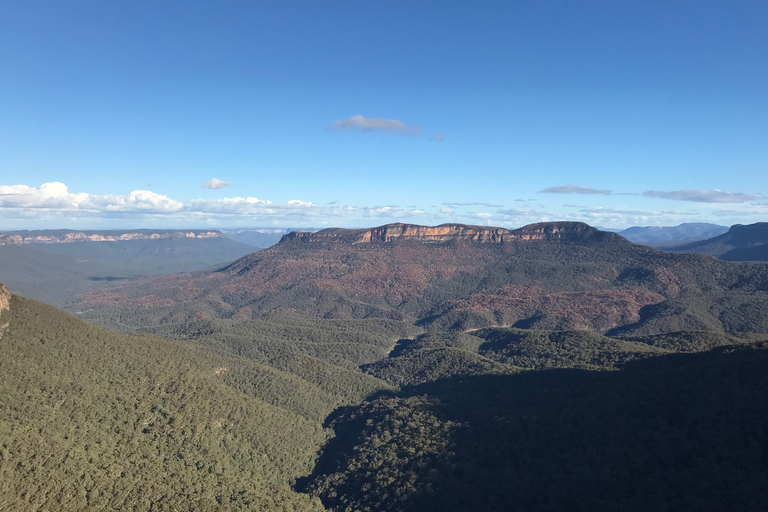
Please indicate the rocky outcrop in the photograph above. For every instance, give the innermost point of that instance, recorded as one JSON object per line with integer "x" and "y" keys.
{"x": 445, "y": 233}
{"x": 65, "y": 236}
{"x": 5, "y": 298}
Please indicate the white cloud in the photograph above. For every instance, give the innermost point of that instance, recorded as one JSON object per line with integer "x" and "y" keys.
{"x": 375, "y": 124}
{"x": 215, "y": 183}
{"x": 52, "y": 200}
{"x": 446, "y": 210}
{"x": 704, "y": 196}
{"x": 464, "y": 203}
{"x": 574, "y": 189}
{"x": 56, "y": 196}
{"x": 391, "y": 212}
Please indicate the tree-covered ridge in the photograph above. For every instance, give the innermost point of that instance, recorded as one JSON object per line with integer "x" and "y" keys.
{"x": 585, "y": 280}
{"x": 676, "y": 432}
{"x": 93, "y": 419}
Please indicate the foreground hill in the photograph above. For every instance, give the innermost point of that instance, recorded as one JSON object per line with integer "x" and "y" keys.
{"x": 676, "y": 432}
{"x": 559, "y": 275}
{"x": 90, "y": 419}
{"x": 740, "y": 243}
{"x": 496, "y": 419}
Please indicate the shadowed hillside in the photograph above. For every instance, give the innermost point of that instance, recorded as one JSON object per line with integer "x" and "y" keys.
{"x": 740, "y": 243}
{"x": 682, "y": 432}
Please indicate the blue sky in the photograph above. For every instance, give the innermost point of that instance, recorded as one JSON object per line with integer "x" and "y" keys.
{"x": 191, "y": 114}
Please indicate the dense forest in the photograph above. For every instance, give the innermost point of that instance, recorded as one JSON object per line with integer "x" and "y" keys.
{"x": 476, "y": 377}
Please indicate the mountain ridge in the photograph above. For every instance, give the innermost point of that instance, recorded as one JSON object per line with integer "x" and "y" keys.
{"x": 444, "y": 233}
{"x": 57, "y": 236}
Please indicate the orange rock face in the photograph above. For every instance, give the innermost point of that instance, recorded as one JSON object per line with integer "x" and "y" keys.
{"x": 444, "y": 233}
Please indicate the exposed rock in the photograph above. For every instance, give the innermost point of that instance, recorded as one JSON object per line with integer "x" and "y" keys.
{"x": 5, "y": 298}
{"x": 445, "y": 233}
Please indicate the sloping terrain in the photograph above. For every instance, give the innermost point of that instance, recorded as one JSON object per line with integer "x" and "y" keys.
{"x": 54, "y": 265}
{"x": 661, "y": 236}
{"x": 544, "y": 276}
{"x": 90, "y": 419}
{"x": 740, "y": 243}
{"x": 676, "y": 432}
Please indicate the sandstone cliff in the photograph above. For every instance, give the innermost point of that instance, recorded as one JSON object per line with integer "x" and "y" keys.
{"x": 5, "y": 298}
{"x": 445, "y": 233}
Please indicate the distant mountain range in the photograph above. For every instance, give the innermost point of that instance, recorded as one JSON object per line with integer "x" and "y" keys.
{"x": 740, "y": 243}
{"x": 52, "y": 265}
{"x": 259, "y": 237}
{"x": 559, "y": 275}
{"x": 659, "y": 236}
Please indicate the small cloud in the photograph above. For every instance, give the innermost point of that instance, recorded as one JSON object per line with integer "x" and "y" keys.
{"x": 438, "y": 137}
{"x": 574, "y": 189}
{"x": 215, "y": 183}
{"x": 393, "y": 211}
{"x": 375, "y": 124}
{"x": 484, "y": 215}
{"x": 488, "y": 205}
{"x": 333, "y": 202}
{"x": 617, "y": 212}
{"x": 704, "y": 196}
{"x": 446, "y": 210}
{"x": 520, "y": 212}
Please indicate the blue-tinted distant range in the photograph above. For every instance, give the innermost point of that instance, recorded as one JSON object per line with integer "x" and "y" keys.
{"x": 287, "y": 114}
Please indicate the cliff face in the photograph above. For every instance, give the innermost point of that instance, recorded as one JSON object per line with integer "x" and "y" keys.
{"x": 5, "y": 298}
{"x": 63, "y": 237}
{"x": 445, "y": 233}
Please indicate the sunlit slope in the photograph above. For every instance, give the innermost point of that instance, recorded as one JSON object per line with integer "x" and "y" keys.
{"x": 554, "y": 276}
{"x": 93, "y": 419}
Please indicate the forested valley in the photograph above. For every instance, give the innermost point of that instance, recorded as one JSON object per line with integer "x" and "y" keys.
{"x": 543, "y": 383}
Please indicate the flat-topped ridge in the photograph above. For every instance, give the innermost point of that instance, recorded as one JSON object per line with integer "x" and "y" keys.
{"x": 444, "y": 233}
{"x": 62, "y": 236}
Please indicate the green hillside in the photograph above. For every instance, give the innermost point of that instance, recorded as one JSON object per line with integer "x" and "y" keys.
{"x": 93, "y": 419}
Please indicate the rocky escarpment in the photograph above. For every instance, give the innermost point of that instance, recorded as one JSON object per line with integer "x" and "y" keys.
{"x": 67, "y": 236}
{"x": 445, "y": 233}
{"x": 5, "y": 298}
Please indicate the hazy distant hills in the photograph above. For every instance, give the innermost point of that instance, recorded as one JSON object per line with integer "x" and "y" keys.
{"x": 660, "y": 236}
{"x": 259, "y": 237}
{"x": 740, "y": 243}
{"x": 558, "y": 275}
{"x": 51, "y": 265}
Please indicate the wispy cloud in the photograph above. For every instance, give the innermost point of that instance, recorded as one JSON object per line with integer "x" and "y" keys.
{"x": 617, "y": 212}
{"x": 705, "y": 196}
{"x": 488, "y": 205}
{"x": 393, "y": 211}
{"x": 575, "y": 189}
{"x": 215, "y": 183}
{"x": 375, "y": 124}
{"x": 438, "y": 137}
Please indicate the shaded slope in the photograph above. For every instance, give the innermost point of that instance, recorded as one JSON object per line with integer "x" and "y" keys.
{"x": 681, "y": 432}
{"x": 740, "y": 243}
